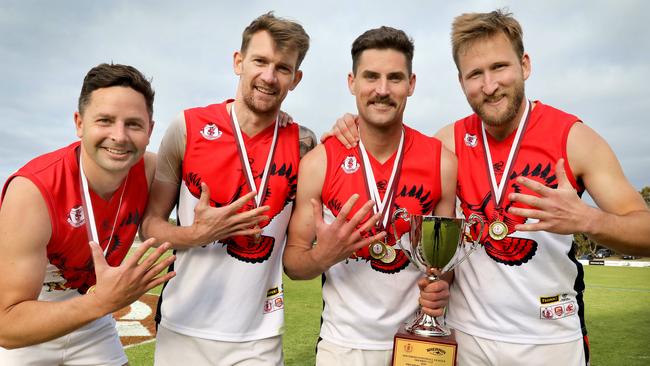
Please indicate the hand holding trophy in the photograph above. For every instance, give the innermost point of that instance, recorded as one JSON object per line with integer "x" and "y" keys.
{"x": 433, "y": 244}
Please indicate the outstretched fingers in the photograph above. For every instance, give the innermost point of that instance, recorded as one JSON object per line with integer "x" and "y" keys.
{"x": 135, "y": 258}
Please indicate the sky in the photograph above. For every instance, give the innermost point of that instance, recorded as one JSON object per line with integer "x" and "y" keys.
{"x": 591, "y": 59}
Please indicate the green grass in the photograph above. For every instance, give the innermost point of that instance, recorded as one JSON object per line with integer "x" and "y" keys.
{"x": 617, "y": 309}
{"x": 618, "y": 315}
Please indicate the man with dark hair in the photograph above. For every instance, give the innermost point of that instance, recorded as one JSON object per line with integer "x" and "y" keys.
{"x": 57, "y": 292}
{"x": 369, "y": 287}
{"x": 522, "y": 166}
{"x": 231, "y": 169}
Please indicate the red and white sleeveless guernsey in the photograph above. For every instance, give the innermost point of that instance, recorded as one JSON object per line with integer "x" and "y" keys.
{"x": 70, "y": 267}
{"x": 527, "y": 287}
{"x": 366, "y": 300}
{"x": 231, "y": 290}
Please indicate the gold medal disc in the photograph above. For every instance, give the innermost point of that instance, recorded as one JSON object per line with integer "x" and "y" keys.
{"x": 257, "y": 238}
{"x": 390, "y": 256}
{"x": 498, "y": 230}
{"x": 377, "y": 250}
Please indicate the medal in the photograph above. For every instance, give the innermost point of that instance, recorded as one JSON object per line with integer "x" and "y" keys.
{"x": 390, "y": 256}
{"x": 243, "y": 157}
{"x": 377, "y": 250}
{"x": 381, "y": 250}
{"x": 498, "y": 230}
{"x": 257, "y": 238}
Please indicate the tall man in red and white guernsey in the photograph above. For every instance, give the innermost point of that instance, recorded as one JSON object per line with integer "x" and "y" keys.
{"x": 345, "y": 201}
{"x": 57, "y": 292}
{"x": 232, "y": 170}
{"x": 523, "y": 166}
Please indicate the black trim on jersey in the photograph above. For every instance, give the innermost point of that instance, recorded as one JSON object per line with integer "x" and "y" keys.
{"x": 323, "y": 278}
{"x": 158, "y": 316}
{"x": 579, "y": 288}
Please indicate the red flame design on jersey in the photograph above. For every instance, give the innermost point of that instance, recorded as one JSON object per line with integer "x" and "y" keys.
{"x": 511, "y": 250}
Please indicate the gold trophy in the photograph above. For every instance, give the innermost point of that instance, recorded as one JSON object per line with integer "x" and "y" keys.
{"x": 425, "y": 340}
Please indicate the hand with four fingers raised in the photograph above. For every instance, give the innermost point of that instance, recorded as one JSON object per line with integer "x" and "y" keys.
{"x": 120, "y": 286}
{"x": 337, "y": 240}
{"x": 216, "y": 223}
{"x": 558, "y": 210}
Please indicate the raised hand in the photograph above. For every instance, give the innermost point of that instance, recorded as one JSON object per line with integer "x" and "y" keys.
{"x": 216, "y": 223}
{"x": 345, "y": 129}
{"x": 434, "y": 295}
{"x": 338, "y": 240}
{"x": 120, "y": 286}
{"x": 558, "y": 210}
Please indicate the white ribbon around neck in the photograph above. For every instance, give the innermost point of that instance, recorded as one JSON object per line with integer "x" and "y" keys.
{"x": 244, "y": 159}
{"x": 88, "y": 207}
{"x": 372, "y": 184}
{"x": 498, "y": 188}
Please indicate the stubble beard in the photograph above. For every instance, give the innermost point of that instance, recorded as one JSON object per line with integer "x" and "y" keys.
{"x": 514, "y": 102}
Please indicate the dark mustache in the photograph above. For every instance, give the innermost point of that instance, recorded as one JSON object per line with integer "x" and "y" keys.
{"x": 384, "y": 100}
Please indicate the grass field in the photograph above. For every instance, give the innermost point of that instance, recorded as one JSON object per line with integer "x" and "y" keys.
{"x": 617, "y": 306}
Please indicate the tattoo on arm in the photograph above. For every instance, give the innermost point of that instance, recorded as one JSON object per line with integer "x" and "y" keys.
{"x": 307, "y": 140}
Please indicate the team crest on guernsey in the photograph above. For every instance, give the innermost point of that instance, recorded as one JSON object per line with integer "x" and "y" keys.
{"x": 470, "y": 140}
{"x": 210, "y": 131}
{"x": 350, "y": 164}
{"x": 76, "y": 216}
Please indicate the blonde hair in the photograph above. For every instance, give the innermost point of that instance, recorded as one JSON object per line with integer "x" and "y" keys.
{"x": 471, "y": 27}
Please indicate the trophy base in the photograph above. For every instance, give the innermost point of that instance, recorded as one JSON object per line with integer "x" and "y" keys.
{"x": 415, "y": 350}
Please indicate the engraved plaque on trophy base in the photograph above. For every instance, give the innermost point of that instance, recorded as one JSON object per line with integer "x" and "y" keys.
{"x": 413, "y": 350}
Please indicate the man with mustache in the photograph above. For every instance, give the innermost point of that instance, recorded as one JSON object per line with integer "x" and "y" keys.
{"x": 231, "y": 169}
{"x": 369, "y": 288}
{"x": 56, "y": 291}
{"x": 523, "y": 165}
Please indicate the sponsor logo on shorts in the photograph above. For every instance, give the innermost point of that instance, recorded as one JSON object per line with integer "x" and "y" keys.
{"x": 76, "y": 216}
{"x": 210, "y": 132}
{"x": 350, "y": 164}
{"x": 559, "y": 310}
{"x": 470, "y": 140}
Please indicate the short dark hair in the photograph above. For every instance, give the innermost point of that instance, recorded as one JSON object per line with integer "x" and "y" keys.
{"x": 108, "y": 75}
{"x": 383, "y": 38}
{"x": 286, "y": 34}
{"x": 470, "y": 27}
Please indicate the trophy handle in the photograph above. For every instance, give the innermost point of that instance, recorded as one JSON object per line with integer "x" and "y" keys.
{"x": 404, "y": 214}
{"x": 472, "y": 220}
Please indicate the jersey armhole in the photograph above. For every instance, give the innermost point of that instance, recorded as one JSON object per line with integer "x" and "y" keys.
{"x": 578, "y": 186}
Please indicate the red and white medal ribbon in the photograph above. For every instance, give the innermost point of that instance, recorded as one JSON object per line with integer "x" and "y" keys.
{"x": 384, "y": 205}
{"x": 243, "y": 156}
{"x": 498, "y": 189}
{"x": 498, "y": 229}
